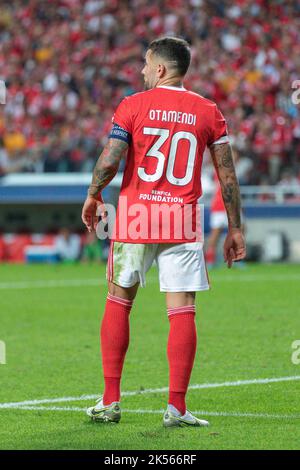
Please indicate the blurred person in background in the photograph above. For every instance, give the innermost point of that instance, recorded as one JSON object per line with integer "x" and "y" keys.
{"x": 218, "y": 224}
{"x": 92, "y": 249}
{"x": 68, "y": 245}
{"x": 2, "y": 247}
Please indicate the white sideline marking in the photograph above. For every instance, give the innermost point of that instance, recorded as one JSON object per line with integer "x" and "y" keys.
{"x": 234, "y": 414}
{"x": 258, "y": 278}
{"x": 100, "y": 281}
{"x": 52, "y": 283}
{"x": 150, "y": 390}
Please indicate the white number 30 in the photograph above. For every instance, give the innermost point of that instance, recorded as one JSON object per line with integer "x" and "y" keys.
{"x": 155, "y": 152}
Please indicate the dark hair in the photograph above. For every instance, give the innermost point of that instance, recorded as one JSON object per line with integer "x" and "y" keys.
{"x": 175, "y": 50}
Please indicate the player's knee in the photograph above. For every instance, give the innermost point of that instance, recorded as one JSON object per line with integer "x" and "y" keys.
{"x": 127, "y": 293}
{"x": 180, "y": 299}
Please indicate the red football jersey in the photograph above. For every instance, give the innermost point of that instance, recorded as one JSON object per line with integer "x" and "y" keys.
{"x": 170, "y": 128}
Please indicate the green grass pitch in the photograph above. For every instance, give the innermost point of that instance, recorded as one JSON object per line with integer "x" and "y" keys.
{"x": 246, "y": 324}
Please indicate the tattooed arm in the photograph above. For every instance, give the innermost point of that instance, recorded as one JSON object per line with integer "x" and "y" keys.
{"x": 223, "y": 162}
{"x": 104, "y": 171}
{"x": 234, "y": 246}
{"x": 107, "y": 165}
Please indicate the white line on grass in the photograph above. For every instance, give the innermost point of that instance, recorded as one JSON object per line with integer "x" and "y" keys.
{"x": 150, "y": 390}
{"x": 256, "y": 278}
{"x": 48, "y": 400}
{"x": 52, "y": 283}
{"x": 100, "y": 281}
{"x": 234, "y": 414}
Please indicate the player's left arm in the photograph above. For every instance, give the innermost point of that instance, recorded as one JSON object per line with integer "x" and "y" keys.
{"x": 234, "y": 246}
{"x": 104, "y": 171}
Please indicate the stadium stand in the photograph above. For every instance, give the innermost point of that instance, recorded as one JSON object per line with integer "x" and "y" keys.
{"x": 68, "y": 63}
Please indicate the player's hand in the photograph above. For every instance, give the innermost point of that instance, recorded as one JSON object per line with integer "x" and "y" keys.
{"x": 92, "y": 209}
{"x": 234, "y": 247}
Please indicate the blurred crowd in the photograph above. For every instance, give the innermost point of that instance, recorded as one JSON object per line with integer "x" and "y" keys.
{"x": 68, "y": 63}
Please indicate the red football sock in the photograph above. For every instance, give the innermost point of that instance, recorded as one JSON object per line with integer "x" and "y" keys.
{"x": 114, "y": 344}
{"x": 181, "y": 351}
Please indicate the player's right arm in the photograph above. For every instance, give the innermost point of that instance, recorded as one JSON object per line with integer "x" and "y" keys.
{"x": 104, "y": 171}
{"x": 234, "y": 246}
{"x": 108, "y": 164}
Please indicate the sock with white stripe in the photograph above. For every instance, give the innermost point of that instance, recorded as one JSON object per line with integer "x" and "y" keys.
{"x": 114, "y": 344}
{"x": 182, "y": 344}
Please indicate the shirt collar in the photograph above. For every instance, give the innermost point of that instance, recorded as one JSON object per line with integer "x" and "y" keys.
{"x": 172, "y": 87}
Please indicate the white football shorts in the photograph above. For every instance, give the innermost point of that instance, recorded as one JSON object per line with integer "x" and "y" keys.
{"x": 181, "y": 266}
{"x": 218, "y": 220}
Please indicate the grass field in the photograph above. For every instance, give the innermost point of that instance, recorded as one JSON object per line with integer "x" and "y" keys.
{"x": 246, "y": 325}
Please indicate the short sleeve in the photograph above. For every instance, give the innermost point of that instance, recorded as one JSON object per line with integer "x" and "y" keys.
{"x": 219, "y": 133}
{"x": 122, "y": 116}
